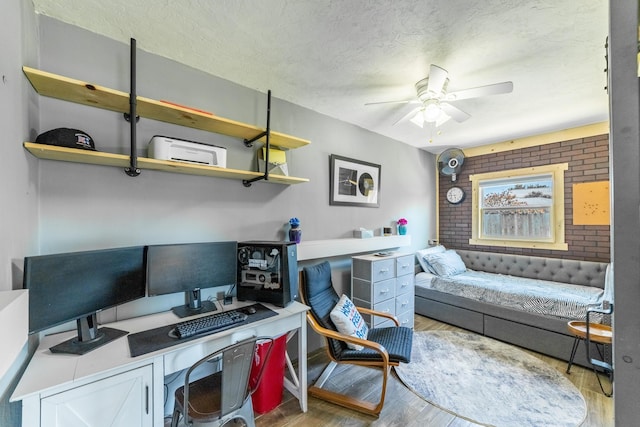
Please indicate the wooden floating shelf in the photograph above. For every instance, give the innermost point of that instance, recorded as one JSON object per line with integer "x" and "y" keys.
{"x": 60, "y": 87}
{"x": 52, "y": 152}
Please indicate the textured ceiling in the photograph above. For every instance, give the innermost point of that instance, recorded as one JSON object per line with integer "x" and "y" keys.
{"x": 333, "y": 56}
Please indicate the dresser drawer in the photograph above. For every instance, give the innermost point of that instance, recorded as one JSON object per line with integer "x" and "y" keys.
{"x": 405, "y": 302}
{"x": 405, "y": 265}
{"x": 406, "y": 319}
{"x": 388, "y": 307}
{"x": 387, "y": 323}
{"x": 404, "y": 284}
{"x": 383, "y": 269}
{"x": 372, "y": 268}
{"x": 384, "y": 290}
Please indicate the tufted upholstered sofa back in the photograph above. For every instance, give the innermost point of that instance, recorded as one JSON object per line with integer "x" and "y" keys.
{"x": 586, "y": 273}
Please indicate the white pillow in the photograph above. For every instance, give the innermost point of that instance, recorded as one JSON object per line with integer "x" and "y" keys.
{"x": 348, "y": 320}
{"x": 447, "y": 263}
{"x": 428, "y": 251}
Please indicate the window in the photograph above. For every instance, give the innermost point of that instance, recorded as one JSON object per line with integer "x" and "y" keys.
{"x": 520, "y": 208}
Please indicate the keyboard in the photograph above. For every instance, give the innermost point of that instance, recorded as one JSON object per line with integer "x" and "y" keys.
{"x": 211, "y": 323}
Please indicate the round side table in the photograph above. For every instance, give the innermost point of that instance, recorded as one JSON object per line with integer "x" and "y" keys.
{"x": 598, "y": 333}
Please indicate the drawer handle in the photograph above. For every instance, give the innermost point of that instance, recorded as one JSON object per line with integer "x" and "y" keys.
{"x": 404, "y": 303}
{"x": 385, "y": 291}
{"x": 405, "y": 265}
{"x": 385, "y": 310}
{"x": 384, "y": 270}
{"x": 404, "y": 284}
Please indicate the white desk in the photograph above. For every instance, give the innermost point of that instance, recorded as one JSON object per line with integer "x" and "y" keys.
{"x": 113, "y": 388}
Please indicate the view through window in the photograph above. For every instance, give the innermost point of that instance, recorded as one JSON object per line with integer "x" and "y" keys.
{"x": 520, "y": 208}
{"x": 517, "y": 209}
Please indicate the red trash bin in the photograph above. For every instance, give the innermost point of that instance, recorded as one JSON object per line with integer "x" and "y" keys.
{"x": 268, "y": 395}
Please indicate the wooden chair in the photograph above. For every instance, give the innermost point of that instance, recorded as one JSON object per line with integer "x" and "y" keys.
{"x": 383, "y": 348}
{"x": 222, "y": 396}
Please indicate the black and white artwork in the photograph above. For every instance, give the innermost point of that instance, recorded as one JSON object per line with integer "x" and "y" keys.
{"x": 354, "y": 182}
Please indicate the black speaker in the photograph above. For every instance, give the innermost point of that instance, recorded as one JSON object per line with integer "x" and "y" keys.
{"x": 268, "y": 272}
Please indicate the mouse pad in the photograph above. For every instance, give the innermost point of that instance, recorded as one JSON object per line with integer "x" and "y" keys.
{"x": 156, "y": 339}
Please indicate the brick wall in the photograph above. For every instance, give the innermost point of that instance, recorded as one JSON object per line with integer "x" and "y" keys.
{"x": 588, "y": 160}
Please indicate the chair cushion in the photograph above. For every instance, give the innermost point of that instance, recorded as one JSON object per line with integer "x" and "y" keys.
{"x": 348, "y": 320}
{"x": 321, "y": 298}
{"x": 396, "y": 340}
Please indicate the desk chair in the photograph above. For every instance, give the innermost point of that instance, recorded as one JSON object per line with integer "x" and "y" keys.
{"x": 220, "y": 397}
{"x": 383, "y": 348}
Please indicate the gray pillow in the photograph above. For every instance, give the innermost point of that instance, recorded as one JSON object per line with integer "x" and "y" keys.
{"x": 447, "y": 263}
{"x": 422, "y": 253}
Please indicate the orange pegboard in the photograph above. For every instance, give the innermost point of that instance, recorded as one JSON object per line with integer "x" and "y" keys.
{"x": 591, "y": 203}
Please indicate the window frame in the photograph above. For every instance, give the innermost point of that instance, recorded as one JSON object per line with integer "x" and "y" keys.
{"x": 557, "y": 242}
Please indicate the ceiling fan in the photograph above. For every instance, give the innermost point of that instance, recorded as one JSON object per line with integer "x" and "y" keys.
{"x": 435, "y": 101}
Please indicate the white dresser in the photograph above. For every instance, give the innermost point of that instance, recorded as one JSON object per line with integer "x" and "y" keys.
{"x": 384, "y": 284}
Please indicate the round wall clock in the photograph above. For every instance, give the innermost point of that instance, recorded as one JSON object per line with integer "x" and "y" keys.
{"x": 455, "y": 195}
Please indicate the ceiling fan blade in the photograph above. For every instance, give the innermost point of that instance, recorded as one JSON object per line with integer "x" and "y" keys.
{"x": 437, "y": 79}
{"x": 454, "y": 112}
{"x": 444, "y": 117}
{"x": 475, "y": 92}
{"x": 407, "y": 116}
{"x": 407, "y": 101}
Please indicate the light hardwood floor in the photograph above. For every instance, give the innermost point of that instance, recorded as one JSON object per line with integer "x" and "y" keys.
{"x": 403, "y": 407}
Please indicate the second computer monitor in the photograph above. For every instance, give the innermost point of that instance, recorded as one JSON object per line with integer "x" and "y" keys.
{"x": 189, "y": 267}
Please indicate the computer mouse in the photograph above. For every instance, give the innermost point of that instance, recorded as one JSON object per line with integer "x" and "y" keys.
{"x": 251, "y": 310}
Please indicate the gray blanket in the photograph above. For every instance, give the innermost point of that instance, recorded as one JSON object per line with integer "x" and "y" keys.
{"x": 555, "y": 299}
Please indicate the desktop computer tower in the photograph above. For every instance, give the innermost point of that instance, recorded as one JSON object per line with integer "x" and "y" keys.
{"x": 268, "y": 272}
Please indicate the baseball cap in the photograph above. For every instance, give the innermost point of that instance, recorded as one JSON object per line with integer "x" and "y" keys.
{"x": 65, "y": 137}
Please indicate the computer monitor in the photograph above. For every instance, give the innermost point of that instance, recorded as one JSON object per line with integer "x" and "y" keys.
{"x": 188, "y": 268}
{"x": 76, "y": 286}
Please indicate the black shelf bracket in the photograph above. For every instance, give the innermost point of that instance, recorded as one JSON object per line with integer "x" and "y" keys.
{"x": 249, "y": 142}
{"x": 133, "y": 169}
{"x": 266, "y": 134}
{"x": 127, "y": 117}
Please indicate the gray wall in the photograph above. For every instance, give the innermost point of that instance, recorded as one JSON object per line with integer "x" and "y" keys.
{"x": 87, "y": 207}
{"x": 57, "y": 206}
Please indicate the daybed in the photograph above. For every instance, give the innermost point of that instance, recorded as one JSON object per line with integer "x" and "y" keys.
{"x": 489, "y": 304}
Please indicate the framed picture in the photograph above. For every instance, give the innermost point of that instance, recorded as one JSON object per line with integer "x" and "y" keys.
{"x": 353, "y": 182}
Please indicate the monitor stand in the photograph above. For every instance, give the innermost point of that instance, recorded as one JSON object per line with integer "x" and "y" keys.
{"x": 89, "y": 337}
{"x": 194, "y": 306}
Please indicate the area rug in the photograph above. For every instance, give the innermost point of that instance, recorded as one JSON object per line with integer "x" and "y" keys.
{"x": 490, "y": 382}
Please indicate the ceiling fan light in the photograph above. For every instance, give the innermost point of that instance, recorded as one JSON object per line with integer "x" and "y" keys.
{"x": 431, "y": 112}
